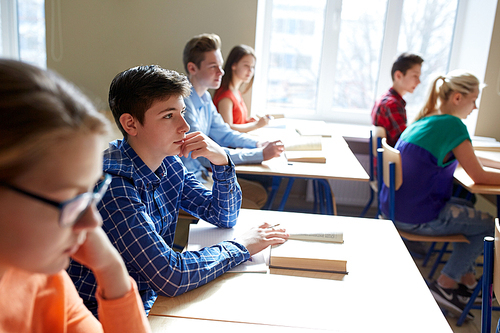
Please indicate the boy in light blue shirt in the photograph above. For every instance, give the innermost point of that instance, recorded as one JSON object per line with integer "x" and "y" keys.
{"x": 203, "y": 62}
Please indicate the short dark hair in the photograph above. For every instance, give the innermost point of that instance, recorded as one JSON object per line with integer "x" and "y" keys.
{"x": 195, "y": 49}
{"x": 404, "y": 62}
{"x": 134, "y": 91}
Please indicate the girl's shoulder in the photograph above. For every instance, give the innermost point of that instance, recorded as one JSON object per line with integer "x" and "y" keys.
{"x": 222, "y": 93}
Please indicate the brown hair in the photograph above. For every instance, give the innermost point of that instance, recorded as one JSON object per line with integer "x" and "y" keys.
{"x": 455, "y": 81}
{"x": 134, "y": 91}
{"x": 236, "y": 54}
{"x": 38, "y": 108}
{"x": 404, "y": 62}
{"x": 195, "y": 49}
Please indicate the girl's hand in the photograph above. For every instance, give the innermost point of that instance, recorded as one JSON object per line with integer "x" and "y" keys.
{"x": 98, "y": 254}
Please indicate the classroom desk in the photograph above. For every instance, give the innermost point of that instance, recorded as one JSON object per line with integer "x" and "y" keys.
{"x": 383, "y": 292}
{"x": 463, "y": 178}
{"x": 340, "y": 164}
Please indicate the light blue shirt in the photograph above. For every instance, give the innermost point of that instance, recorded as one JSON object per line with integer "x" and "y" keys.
{"x": 201, "y": 115}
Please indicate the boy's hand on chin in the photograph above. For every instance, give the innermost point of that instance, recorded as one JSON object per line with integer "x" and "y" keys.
{"x": 200, "y": 145}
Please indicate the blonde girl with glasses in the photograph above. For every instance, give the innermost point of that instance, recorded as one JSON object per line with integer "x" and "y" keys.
{"x": 50, "y": 159}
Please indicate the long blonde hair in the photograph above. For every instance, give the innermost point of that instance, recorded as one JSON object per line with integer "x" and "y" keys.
{"x": 439, "y": 92}
{"x": 38, "y": 108}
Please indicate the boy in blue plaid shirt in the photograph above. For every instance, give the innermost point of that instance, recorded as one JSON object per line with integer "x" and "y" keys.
{"x": 150, "y": 184}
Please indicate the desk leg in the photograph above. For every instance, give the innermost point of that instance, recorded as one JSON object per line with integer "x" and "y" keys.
{"x": 315, "y": 195}
{"x": 327, "y": 192}
{"x": 276, "y": 181}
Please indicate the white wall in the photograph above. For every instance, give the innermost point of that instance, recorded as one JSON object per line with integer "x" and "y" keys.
{"x": 90, "y": 41}
{"x": 488, "y": 121}
{"x": 471, "y": 46}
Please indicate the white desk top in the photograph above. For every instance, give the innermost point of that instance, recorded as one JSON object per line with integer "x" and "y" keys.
{"x": 341, "y": 163}
{"x": 383, "y": 292}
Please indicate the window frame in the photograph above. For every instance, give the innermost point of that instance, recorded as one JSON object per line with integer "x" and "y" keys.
{"x": 323, "y": 109}
{"x": 10, "y": 32}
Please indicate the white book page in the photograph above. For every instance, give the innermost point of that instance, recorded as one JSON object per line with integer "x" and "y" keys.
{"x": 204, "y": 234}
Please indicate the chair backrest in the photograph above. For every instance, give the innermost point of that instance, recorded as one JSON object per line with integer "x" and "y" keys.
{"x": 392, "y": 155}
{"x": 496, "y": 263}
{"x": 376, "y": 132}
{"x": 389, "y": 171}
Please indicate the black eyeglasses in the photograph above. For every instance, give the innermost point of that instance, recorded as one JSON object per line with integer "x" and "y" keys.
{"x": 73, "y": 209}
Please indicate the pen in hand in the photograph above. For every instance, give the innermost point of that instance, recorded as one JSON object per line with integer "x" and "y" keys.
{"x": 271, "y": 227}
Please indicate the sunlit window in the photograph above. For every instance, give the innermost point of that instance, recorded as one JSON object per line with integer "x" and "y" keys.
{"x": 22, "y": 25}
{"x": 427, "y": 28}
{"x": 329, "y": 59}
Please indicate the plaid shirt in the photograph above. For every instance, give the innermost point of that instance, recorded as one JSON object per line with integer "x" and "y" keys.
{"x": 389, "y": 112}
{"x": 139, "y": 212}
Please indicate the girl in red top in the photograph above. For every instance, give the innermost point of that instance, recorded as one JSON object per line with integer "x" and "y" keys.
{"x": 239, "y": 70}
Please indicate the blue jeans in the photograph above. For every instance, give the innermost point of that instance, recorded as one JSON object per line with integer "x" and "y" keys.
{"x": 457, "y": 217}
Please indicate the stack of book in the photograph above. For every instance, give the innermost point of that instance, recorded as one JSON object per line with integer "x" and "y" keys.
{"x": 312, "y": 252}
{"x": 305, "y": 149}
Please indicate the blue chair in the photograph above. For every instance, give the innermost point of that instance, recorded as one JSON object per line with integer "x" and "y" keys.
{"x": 376, "y": 135}
{"x": 391, "y": 173}
{"x": 488, "y": 283}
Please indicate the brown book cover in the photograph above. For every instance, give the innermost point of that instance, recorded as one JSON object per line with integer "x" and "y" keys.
{"x": 314, "y": 156}
{"x": 309, "y": 256}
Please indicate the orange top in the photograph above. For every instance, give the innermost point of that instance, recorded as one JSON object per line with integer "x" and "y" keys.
{"x": 32, "y": 302}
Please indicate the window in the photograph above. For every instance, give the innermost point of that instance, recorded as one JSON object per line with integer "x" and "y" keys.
{"x": 22, "y": 28}
{"x": 331, "y": 59}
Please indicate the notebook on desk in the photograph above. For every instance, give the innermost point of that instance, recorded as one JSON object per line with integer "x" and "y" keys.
{"x": 489, "y": 158}
{"x": 485, "y": 144}
{"x": 204, "y": 234}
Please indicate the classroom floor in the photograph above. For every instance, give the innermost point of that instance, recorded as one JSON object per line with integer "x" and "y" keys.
{"x": 473, "y": 326}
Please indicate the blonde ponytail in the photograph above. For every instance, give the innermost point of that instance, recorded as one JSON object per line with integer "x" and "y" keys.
{"x": 432, "y": 99}
{"x": 455, "y": 81}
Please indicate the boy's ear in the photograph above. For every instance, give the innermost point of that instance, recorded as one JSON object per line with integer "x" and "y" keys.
{"x": 398, "y": 75}
{"x": 192, "y": 68}
{"x": 129, "y": 124}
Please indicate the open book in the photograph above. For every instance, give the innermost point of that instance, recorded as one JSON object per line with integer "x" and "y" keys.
{"x": 302, "y": 143}
{"x": 329, "y": 237}
{"x": 309, "y": 256}
{"x": 305, "y": 149}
